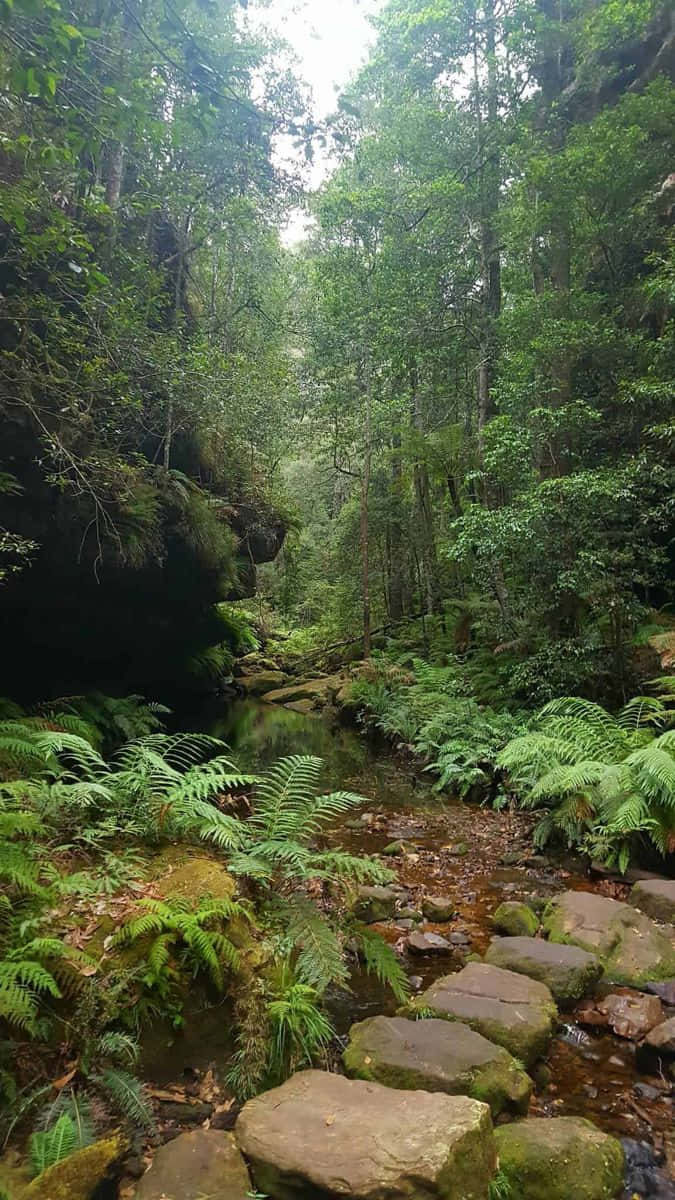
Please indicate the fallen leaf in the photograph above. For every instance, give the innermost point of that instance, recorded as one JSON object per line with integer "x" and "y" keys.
{"x": 59, "y": 1084}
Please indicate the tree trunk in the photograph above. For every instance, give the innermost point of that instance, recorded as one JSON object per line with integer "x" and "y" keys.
{"x": 395, "y": 534}
{"x": 364, "y": 523}
{"x": 487, "y": 132}
{"x": 423, "y": 507}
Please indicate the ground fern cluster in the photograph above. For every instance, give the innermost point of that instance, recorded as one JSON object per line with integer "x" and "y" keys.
{"x": 606, "y": 783}
{"x": 77, "y": 824}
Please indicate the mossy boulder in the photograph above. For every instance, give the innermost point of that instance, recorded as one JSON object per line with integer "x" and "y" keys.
{"x": 515, "y": 919}
{"x": 506, "y": 1008}
{"x": 438, "y": 908}
{"x": 199, "y": 875}
{"x": 321, "y": 691}
{"x": 260, "y": 682}
{"x": 656, "y": 898}
{"x": 559, "y": 1158}
{"x": 78, "y": 1176}
{"x": 320, "y": 1136}
{"x": 436, "y": 1056}
{"x": 374, "y": 904}
{"x": 567, "y": 971}
{"x": 631, "y": 947}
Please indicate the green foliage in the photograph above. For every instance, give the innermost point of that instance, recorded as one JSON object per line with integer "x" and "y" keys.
{"x": 605, "y": 780}
{"x": 50, "y": 1146}
{"x": 191, "y": 935}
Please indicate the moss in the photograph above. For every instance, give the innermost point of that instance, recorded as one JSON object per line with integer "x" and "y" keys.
{"x": 76, "y": 1177}
{"x": 515, "y": 919}
{"x": 557, "y": 1158}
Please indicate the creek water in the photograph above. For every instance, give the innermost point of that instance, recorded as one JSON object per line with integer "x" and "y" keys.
{"x": 457, "y": 850}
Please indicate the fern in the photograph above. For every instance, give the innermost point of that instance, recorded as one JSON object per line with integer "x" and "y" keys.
{"x": 194, "y": 933}
{"x": 50, "y": 1146}
{"x": 127, "y": 1095}
{"x": 380, "y": 960}
{"x": 625, "y": 789}
{"x": 320, "y": 959}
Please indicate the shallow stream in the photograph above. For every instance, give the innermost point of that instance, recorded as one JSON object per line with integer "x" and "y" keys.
{"x": 457, "y": 850}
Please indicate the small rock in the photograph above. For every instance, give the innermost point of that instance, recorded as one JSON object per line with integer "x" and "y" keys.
{"x": 591, "y": 1092}
{"x": 665, "y": 990}
{"x": 459, "y": 939}
{"x": 427, "y": 943}
{"x": 438, "y": 908}
{"x": 375, "y": 904}
{"x": 405, "y": 923}
{"x": 646, "y": 1092}
{"x": 632, "y": 1016}
{"x": 410, "y": 914}
{"x": 662, "y": 1037}
{"x": 516, "y": 919}
{"x": 416, "y": 982}
{"x": 457, "y": 850}
{"x": 393, "y": 849}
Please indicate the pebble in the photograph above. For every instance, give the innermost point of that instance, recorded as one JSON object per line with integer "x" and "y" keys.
{"x": 427, "y": 943}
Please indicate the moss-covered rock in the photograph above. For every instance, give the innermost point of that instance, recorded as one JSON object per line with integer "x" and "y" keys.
{"x": 438, "y": 908}
{"x": 436, "y": 1056}
{"x": 632, "y": 949}
{"x": 78, "y": 1176}
{"x": 568, "y": 971}
{"x": 656, "y": 898}
{"x": 262, "y": 681}
{"x": 560, "y": 1158}
{"x": 321, "y": 691}
{"x": 374, "y": 904}
{"x": 515, "y": 919}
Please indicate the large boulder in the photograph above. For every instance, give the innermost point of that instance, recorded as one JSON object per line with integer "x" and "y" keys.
{"x": 559, "y": 1158}
{"x": 321, "y": 691}
{"x": 204, "y": 1162}
{"x": 515, "y": 919}
{"x": 436, "y": 1056}
{"x": 656, "y": 898}
{"x": 632, "y": 949}
{"x": 261, "y": 682}
{"x": 569, "y": 972}
{"x": 515, "y": 1012}
{"x": 78, "y": 1176}
{"x": 320, "y": 1136}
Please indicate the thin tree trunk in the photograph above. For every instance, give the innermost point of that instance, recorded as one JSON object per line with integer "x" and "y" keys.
{"x": 487, "y": 132}
{"x": 365, "y": 542}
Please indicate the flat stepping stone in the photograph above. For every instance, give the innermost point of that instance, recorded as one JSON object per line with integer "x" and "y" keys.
{"x": 436, "y": 1056}
{"x": 320, "y": 1136}
{"x": 569, "y": 972}
{"x": 632, "y": 948}
{"x": 204, "y": 1162}
{"x": 509, "y": 1009}
{"x": 656, "y": 898}
{"x": 560, "y": 1158}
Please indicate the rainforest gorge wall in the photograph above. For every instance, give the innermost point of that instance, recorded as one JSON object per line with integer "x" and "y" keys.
{"x": 144, "y": 376}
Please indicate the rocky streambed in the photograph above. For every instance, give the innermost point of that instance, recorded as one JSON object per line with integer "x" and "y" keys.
{"x": 534, "y": 1059}
{"x": 540, "y": 1032}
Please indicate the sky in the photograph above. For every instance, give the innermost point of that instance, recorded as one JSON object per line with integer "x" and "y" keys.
{"x": 331, "y": 39}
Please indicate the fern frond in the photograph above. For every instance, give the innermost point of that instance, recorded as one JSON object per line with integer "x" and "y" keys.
{"x": 319, "y": 959}
{"x": 380, "y": 960}
{"x": 50, "y": 1146}
{"x": 282, "y": 794}
{"x": 127, "y": 1095}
